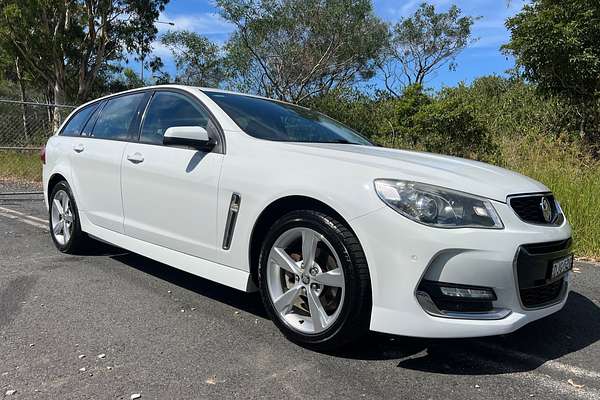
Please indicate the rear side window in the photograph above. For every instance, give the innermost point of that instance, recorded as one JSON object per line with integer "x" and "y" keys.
{"x": 87, "y": 129}
{"x": 77, "y": 122}
{"x": 169, "y": 109}
{"x": 118, "y": 117}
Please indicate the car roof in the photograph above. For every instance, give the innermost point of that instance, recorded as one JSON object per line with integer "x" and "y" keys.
{"x": 184, "y": 87}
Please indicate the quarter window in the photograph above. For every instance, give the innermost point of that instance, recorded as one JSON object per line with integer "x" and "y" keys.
{"x": 77, "y": 122}
{"x": 118, "y": 117}
{"x": 87, "y": 129}
{"x": 167, "y": 110}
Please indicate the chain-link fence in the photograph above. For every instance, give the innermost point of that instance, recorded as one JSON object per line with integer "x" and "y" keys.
{"x": 24, "y": 129}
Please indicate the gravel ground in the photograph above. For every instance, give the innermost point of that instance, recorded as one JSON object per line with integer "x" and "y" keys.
{"x": 10, "y": 186}
{"x": 114, "y": 324}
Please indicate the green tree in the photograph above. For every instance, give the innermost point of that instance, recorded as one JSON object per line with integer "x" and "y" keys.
{"x": 394, "y": 115}
{"x": 295, "y": 49}
{"x": 556, "y": 44}
{"x": 349, "y": 106}
{"x": 197, "y": 59}
{"x": 449, "y": 125}
{"x": 422, "y": 44}
{"x": 131, "y": 79}
{"x": 60, "y": 42}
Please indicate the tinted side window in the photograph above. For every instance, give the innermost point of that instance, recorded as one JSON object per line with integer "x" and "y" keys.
{"x": 77, "y": 122}
{"x": 89, "y": 125}
{"x": 117, "y": 117}
{"x": 169, "y": 109}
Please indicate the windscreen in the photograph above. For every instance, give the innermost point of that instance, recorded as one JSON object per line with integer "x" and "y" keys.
{"x": 274, "y": 120}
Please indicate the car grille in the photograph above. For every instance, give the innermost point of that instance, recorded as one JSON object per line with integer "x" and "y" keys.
{"x": 528, "y": 208}
{"x": 541, "y": 295}
{"x": 533, "y": 265}
{"x": 548, "y": 247}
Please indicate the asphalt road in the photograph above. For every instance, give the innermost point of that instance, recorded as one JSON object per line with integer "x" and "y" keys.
{"x": 165, "y": 334}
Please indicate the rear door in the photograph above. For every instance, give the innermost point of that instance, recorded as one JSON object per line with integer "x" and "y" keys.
{"x": 170, "y": 193}
{"x": 97, "y": 155}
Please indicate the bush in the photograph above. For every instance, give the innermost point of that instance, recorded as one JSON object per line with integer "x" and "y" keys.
{"x": 395, "y": 117}
{"x": 448, "y": 125}
{"x": 512, "y": 108}
{"x": 415, "y": 120}
{"x": 350, "y": 107}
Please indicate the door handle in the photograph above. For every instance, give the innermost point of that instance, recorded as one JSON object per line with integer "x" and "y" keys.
{"x": 78, "y": 148}
{"x": 135, "y": 158}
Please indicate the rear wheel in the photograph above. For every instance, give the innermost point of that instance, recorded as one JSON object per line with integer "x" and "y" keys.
{"x": 314, "y": 280}
{"x": 65, "y": 228}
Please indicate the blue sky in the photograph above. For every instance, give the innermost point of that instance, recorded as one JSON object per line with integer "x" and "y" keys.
{"x": 481, "y": 58}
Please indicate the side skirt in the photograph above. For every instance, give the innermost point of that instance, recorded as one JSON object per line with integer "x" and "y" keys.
{"x": 223, "y": 274}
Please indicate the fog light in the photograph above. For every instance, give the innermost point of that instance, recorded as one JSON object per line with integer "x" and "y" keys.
{"x": 468, "y": 293}
{"x": 453, "y": 297}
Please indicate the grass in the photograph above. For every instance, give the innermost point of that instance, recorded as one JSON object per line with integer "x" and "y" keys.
{"x": 20, "y": 165}
{"x": 573, "y": 177}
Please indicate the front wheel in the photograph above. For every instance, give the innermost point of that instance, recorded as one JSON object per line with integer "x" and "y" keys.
{"x": 314, "y": 280}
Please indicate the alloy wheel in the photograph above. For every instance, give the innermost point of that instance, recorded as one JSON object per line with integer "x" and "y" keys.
{"x": 62, "y": 217}
{"x": 305, "y": 280}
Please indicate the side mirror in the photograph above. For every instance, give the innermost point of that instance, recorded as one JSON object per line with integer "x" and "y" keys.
{"x": 193, "y": 136}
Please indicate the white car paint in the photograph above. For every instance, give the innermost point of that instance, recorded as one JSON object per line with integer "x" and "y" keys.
{"x": 97, "y": 180}
{"x": 178, "y": 211}
{"x": 172, "y": 209}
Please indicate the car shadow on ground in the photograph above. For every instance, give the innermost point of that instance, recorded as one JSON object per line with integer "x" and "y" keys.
{"x": 572, "y": 329}
{"x": 248, "y": 302}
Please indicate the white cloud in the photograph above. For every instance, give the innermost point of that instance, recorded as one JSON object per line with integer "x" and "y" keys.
{"x": 160, "y": 50}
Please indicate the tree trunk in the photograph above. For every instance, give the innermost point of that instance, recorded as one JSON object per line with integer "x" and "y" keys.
{"x": 59, "y": 98}
{"x": 59, "y": 93}
{"x": 23, "y": 98}
{"x": 49, "y": 112}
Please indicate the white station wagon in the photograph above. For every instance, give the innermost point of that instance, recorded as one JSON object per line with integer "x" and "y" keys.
{"x": 340, "y": 236}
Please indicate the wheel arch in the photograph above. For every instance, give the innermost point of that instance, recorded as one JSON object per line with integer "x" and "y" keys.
{"x": 275, "y": 210}
{"x": 54, "y": 179}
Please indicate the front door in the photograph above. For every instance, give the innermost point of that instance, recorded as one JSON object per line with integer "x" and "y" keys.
{"x": 170, "y": 193}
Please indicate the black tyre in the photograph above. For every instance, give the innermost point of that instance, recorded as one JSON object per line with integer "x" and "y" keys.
{"x": 314, "y": 280}
{"x": 63, "y": 218}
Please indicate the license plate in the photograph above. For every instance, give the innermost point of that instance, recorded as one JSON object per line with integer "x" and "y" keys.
{"x": 561, "y": 266}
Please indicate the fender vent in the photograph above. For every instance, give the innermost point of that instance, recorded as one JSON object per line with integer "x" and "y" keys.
{"x": 234, "y": 209}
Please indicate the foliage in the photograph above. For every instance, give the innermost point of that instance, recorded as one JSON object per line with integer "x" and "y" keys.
{"x": 422, "y": 44}
{"x": 444, "y": 123}
{"x": 62, "y": 42}
{"x": 295, "y": 49}
{"x": 449, "y": 125}
{"x": 349, "y": 106}
{"x": 130, "y": 79}
{"x": 395, "y": 116}
{"x": 197, "y": 59}
{"x": 556, "y": 44}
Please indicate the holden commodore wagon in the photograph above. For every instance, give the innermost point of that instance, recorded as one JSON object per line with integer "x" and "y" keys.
{"x": 338, "y": 235}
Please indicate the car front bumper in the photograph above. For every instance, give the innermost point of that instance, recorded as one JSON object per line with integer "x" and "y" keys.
{"x": 402, "y": 253}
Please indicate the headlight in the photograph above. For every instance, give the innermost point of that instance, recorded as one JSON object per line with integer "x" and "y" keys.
{"x": 436, "y": 206}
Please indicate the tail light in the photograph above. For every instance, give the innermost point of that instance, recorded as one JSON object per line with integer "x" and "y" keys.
{"x": 43, "y": 154}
